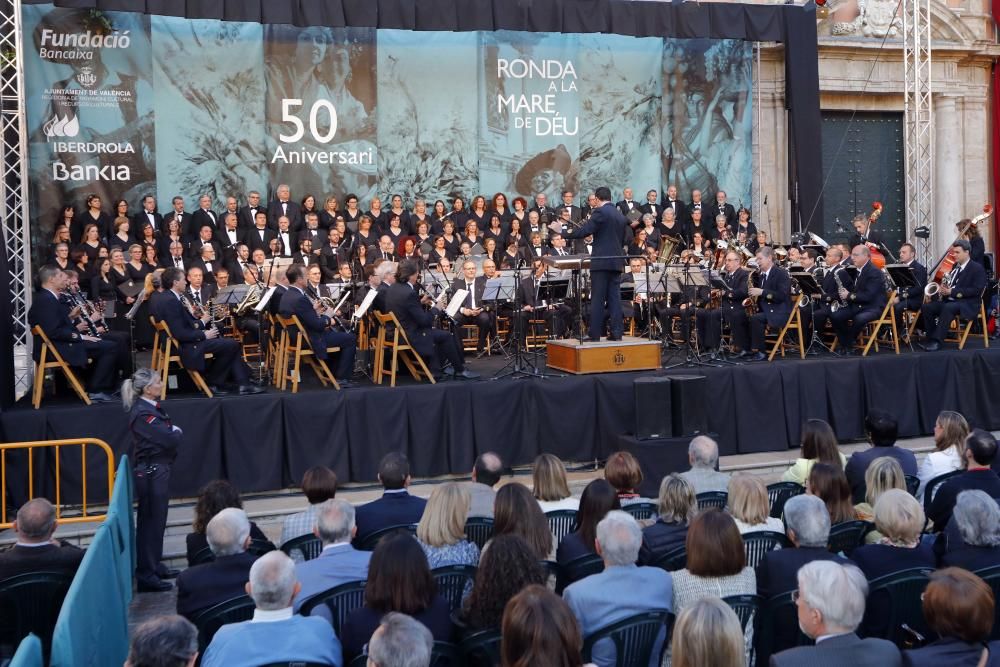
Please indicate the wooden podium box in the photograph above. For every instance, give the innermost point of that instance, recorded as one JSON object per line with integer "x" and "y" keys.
{"x": 606, "y": 356}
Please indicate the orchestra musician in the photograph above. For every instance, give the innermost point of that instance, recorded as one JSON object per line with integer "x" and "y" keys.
{"x": 318, "y": 326}
{"x": 865, "y": 301}
{"x": 818, "y": 312}
{"x": 197, "y": 339}
{"x": 863, "y": 233}
{"x": 558, "y": 316}
{"x": 683, "y": 305}
{"x": 771, "y": 289}
{"x": 74, "y": 298}
{"x": 472, "y": 311}
{"x": 731, "y": 309}
{"x": 910, "y": 298}
{"x": 960, "y": 297}
{"x": 638, "y": 308}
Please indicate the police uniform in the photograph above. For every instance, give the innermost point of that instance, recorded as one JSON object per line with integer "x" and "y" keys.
{"x": 154, "y": 447}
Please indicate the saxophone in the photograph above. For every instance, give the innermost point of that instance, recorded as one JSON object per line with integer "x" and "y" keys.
{"x": 750, "y": 301}
{"x": 837, "y": 304}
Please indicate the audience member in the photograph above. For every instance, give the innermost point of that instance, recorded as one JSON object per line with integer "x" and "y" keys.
{"x": 950, "y": 431}
{"x": 972, "y": 539}
{"x": 831, "y": 603}
{"x": 979, "y": 454}
{"x": 747, "y": 504}
{"x": 819, "y": 445}
{"x": 441, "y": 531}
{"x": 597, "y": 499}
{"x": 504, "y": 569}
{"x": 549, "y": 485}
{"x": 597, "y": 600}
{"x": 708, "y": 632}
{"x": 900, "y": 519}
{"x": 703, "y": 457}
{"x": 35, "y": 549}
{"x": 164, "y": 641}
{"x": 398, "y": 580}
{"x": 675, "y": 507}
{"x": 829, "y": 484}
{"x": 518, "y": 513}
{"x": 623, "y": 472}
{"x": 400, "y": 641}
{"x": 319, "y": 484}
{"x": 396, "y": 507}
{"x": 274, "y": 634}
{"x": 339, "y": 562}
{"x": 486, "y": 474}
{"x": 882, "y": 474}
{"x": 214, "y": 497}
{"x": 206, "y": 585}
{"x": 959, "y": 608}
{"x": 716, "y": 561}
{"x": 539, "y": 629}
{"x": 882, "y": 429}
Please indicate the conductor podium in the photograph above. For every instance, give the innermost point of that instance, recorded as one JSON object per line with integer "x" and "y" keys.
{"x": 606, "y": 356}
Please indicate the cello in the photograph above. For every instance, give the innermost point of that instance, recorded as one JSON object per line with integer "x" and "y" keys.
{"x": 877, "y": 258}
{"x": 947, "y": 263}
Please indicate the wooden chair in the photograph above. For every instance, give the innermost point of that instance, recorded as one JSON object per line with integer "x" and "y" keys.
{"x": 294, "y": 348}
{"x": 793, "y": 323}
{"x": 537, "y": 334}
{"x": 963, "y": 329}
{"x": 470, "y": 337}
{"x": 49, "y": 357}
{"x": 886, "y": 319}
{"x": 154, "y": 363}
{"x": 395, "y": 340}
{"x": 171, "y": 354}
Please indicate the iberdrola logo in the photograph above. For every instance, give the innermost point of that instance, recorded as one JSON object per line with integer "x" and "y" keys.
{"x": 57, "y": 127}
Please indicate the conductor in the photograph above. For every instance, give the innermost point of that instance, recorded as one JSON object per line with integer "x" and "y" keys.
{"x": 155, "y": 441}
{"x": 607, "y": 225}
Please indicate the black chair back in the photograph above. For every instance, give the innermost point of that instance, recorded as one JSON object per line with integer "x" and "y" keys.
{"x": 31, "y": 603}
{"x": 309, "y": 546}
{"x": 759, "y": 543}
{"x": 479, "y": 529}
{"x": 481, "y": 649}
{"x": 371, "y": 541}
{"x": 577, "y": 569}
{"x": 710, "y": 499}
{"x": 932, "y": 487}
{"x": 634, "y": 638}
{"x": 912, "y": 484}
{"x": 991, "y": 576}
{"x": 640, "y": 511}
{"x": 210, "y": 620}
{"x": 895, "y": 600}
{"x": 257, "y": 547}
{"x": 202, "y": 556}
{"x": 747, "y": 608}
{"x": 452, "y": 582}
{"x": 779, "y": 493}
{"x": 846, "y": 536}
{"x": 260, "y": 547}
{"x": 341, "y": 600}
{"x": 673, "y": 560}
{"x": 561, "y": 523}
{"x": 777, "y": 628}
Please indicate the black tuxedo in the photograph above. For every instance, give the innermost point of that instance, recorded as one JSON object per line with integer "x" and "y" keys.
{"x": 228, "y": 242}
{"x": 317, "y": 236}
{"x": 655, "y": 209}
{"x": 291, "y": 210}
{"x": 247, "y": 217}
{"x": 235, "y": 272}
{"x": 190, "y": 333}
{"x": 624, "y": 207}
{"x": 49, "y": 558}
{"x": 964, "y": 301}
{"x": 194, "y": 248}
{"x": 574, "y": 212}
{"x": 306, "y": 259}
{"x": 773, "y": 306}
{"x": 295, "y": 302}
{"x": 726, "y": 210}
{"x": 680, "y": 209}
{"x": 203, "y": 218}
{"x": 257, "y": 238}
{"x": 864, "y": 303}
{"x": 141, "y": 219}
{"x": 184, "y": 218}
{"x": 207, "y": 275}
{"x": 289, "y": 245}
{"x": 203, "y": 295}
{"x": 402, "y": 301}
{"x": 206, "y": 585}
{"x": 699, "y": 206}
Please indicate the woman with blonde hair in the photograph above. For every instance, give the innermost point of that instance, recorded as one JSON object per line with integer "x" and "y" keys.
{"x": 675, "y": 507}
{"x": 950, "y": 431}
{"x": 441, "y": 531}
{"x": 708, "y": 633}
{"x": 549, "y": 485}
{"x": 819, "y": 445}
{"x": 747, "y": 504}
{"x": 883, "y": 473}
{"x": 900, "y": 519}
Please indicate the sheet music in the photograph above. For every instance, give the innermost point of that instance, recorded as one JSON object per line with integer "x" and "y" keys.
{"x": 456, "y": 302}
{"x": 262, "y": 304}
{"x": 365, "y": 304}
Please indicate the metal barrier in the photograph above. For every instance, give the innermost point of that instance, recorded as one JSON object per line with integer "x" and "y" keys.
{"x": 82, "y": 443}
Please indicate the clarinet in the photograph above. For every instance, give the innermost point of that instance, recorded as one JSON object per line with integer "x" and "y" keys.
{"x": 80, "y": 303}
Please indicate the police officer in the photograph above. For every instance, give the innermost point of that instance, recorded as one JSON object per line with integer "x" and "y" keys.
{"x": 154, "y": 447}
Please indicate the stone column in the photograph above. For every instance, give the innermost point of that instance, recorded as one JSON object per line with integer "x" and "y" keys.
{"x": 949, "y": 170}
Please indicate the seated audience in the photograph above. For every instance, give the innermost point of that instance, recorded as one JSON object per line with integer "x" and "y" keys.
{"x": 819, "y": 445}
{"x": 950, "y": 431}
{"x": 486, "y": 474}
{"x": 339, "y": 562}
{"x": 899, "y": 517}
{"x": 396, "y": 507}
{"x": 598, "y": 600}
{"x": 829, "y": 484}
{"x": 980, "y": 452}
{"x": 623, "y": 472}
{"x": 703, "y": 456}
{"x": 214, "y": 497}
{"x": 274, "y": 634}
{"x": 882, "y": 430}
{"x": 882, "y": 474}
{"x": 716, "y": 561}
{"x": 164, "y": 641}
{"x": 400, "y": 641}
{"x": 708, "y": 632}
{"x": 831, "y": 603}
{"x": 504, "y": 569}
{"x": 549, "y": 485}
{"x": 959, "y": 608}
{"x": 398, "y": 580}
{"x": 208, "y": 584}
{"x": 675, "y": 507}
{"x": 539, "y": 629}
{"x": 35, "y": 549}
{"x": 518, "y": 513}
{"x": 747, "y": 504}
{"x": 597, "y": 499}
{"x": 441, "y": 531}
{"x": 972, "y": 540}
{"x": 319, "y": 484}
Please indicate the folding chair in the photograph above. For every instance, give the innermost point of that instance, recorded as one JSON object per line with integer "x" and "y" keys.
{"x": 171, "y": 354}
{"x": 294, "y": 346}
{"x": 888, "y": 319}
{"x": 962, "y": 330}
{"x": 794, "y": 322}
{"x": 395, "y": 339}
{"x": 49, "y": 350}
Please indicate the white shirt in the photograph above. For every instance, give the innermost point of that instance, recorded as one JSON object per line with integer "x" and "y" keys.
{"x": 271, "y": 615}
{"x": 936, "y": 464}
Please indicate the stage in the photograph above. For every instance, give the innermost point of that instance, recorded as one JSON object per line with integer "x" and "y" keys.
{"x": 266, "y": 442}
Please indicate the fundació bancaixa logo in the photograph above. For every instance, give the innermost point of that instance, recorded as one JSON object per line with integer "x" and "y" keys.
{"x": 57, "y": 127}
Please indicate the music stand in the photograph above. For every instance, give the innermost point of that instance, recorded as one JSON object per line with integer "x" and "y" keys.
{"x": 519, "y": 366}
{"x": 808, "y": 286}
{"x": 694, "y": 276}
{"x": 716, "y": 282}
{"x": 499, "y": 289}
{"x": 137, "y": 292}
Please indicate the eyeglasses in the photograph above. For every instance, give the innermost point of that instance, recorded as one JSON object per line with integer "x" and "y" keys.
{"x": 796, "y": 596}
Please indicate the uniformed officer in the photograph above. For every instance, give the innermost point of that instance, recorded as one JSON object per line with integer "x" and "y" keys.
{"x": 155, "y": 441}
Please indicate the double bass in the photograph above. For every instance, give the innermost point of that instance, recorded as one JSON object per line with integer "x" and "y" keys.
{"x": 877, "y": 258}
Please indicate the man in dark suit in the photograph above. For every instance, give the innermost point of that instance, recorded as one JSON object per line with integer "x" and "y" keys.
{"x": 295, "y": 302}
{"x": 203, "y": 217}
{"x": 651, "y": 206}
{"x": 607, "y": 224}
{"x": 225, "y": 578}
{"x": 396, "y": 507}
{"x": 177, "y": 214}
{"x": 670, "y": 200}
{"x": 284, "y": 206}
{"x": 205, "y": 237}
{"x": 289, "y": 239}
{"x": 472, "y": 311}
{"x": 199, "y": 291}
{"x": 72, "y": 342}
{"x": 558, "y": 316}
{"x": 911, "y": 298}
{"x": 980, "y": 453}
{"x": 260, "y": 235}
{"x": 831, "y": 603}
{"x": 433, "y": 345}
{"x": 35, "y": 550}
{"x": 709, "y": 320}
{"x": 771, "y": 288}
{"x": 864, "y": 303}
{"x": 567, "y": 204}
{"x": 696, "y": 205}
{"x": 626, "y": 205}
{"x": 196, "y": 339}
{"x": 882, "y": 430}
{"x": 863, "y": 232}
{"x": 961, "y": 298}
{"x": 304, "y": 254}
{"x": 312, "y": 231}
{"x": 721, "y": 207}
{"x": 229, "y": 237}
{"x": 147, "y": 216}
{"x": 208, "y": 262}
{"x": 248, "y": 213}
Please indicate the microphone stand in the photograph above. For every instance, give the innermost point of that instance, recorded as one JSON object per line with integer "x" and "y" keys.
{"x": 518, "y": 366}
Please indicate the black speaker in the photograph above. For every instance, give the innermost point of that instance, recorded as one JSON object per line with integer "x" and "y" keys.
{"x": 652, "y": 408}
{"x": 688, "y": 398}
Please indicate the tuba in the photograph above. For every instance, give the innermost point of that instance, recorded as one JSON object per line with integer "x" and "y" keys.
{"x": 668, "y": 246}
{"x": 249, "y": 301}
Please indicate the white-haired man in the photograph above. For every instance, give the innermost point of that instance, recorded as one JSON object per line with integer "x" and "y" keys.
{"x": 703, "y": 455}
{"x": 400, "y": 641}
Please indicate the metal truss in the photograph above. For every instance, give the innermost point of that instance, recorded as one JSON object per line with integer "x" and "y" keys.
{"x": 918, "y": 113}
{"x": 757, "y": 186}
